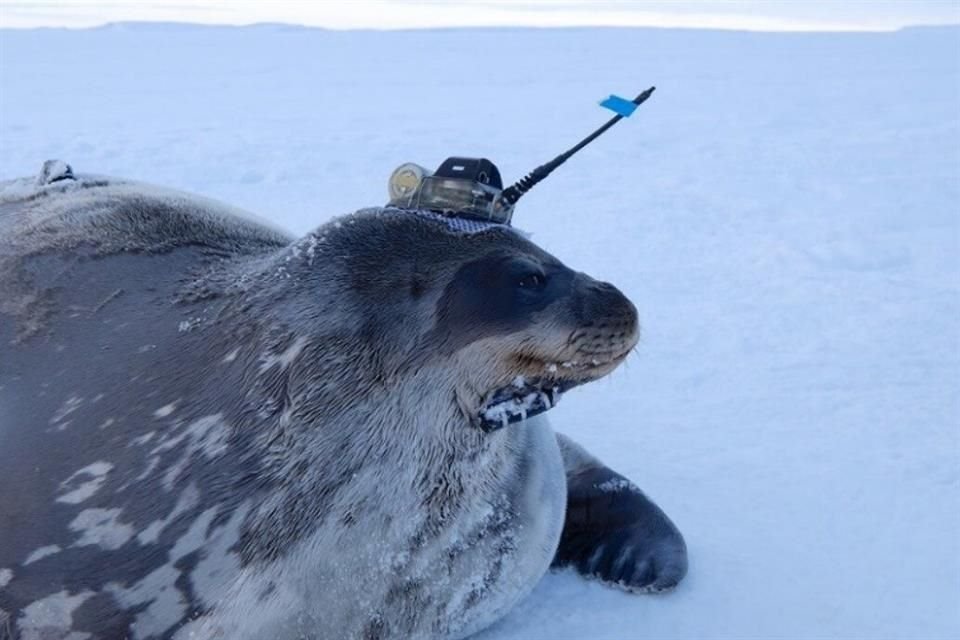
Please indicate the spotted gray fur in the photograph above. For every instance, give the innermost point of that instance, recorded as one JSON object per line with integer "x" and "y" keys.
{"x": 198, "y": 410}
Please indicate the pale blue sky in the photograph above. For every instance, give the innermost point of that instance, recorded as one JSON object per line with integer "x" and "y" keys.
{"x": 391, "y": 14}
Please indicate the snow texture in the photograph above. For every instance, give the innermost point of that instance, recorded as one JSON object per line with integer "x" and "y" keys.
{"x": 783, "y": 211}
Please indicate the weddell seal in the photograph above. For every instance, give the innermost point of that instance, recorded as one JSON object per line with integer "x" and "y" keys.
{"x": 212, "y": 430}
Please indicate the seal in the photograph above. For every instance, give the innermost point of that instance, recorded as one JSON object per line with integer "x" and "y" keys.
{"x": 212, "y": 429}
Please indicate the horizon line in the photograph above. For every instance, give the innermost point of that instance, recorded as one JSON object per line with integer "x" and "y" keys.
{"x": 280, "y": 23}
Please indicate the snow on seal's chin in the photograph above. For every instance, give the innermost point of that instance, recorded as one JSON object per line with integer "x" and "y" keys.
{"x": 526, "y": 397}
{"x": 522, "y": 399}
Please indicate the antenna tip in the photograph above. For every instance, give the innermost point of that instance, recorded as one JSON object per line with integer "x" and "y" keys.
{"x": 643, "y": 96}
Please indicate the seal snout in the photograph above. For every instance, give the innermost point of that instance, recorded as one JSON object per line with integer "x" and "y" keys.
{"x": 604, "y": 328}
{"x": 607, "y": 322}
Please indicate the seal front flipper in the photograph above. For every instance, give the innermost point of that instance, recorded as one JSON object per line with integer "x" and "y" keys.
{"x": 613, "y": 532}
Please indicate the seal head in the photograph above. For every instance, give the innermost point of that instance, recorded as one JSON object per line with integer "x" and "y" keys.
{"x": 515, "y": 326}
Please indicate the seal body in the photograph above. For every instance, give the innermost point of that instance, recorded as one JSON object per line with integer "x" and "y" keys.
{"x": 214, "y": 430}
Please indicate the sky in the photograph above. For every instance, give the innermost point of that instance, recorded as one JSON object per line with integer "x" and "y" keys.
{"x": 762, "y": 15}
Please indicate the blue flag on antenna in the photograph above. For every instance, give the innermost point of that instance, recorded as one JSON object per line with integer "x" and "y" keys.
{"x": 618, "y": 105}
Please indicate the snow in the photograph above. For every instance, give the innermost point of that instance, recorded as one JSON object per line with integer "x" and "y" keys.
{"x": 517, "y": 406}
{"x": 783, "y": 211}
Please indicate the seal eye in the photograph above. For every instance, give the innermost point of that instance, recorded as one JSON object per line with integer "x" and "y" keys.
{"x": 532, "y": 281}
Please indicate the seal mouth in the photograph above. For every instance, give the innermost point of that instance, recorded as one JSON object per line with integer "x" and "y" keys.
{"x": 526, "y": 397}
{"x": 522, "y": 399}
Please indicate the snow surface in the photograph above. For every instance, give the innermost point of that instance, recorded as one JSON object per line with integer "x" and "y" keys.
{"x": 783, "y": 211}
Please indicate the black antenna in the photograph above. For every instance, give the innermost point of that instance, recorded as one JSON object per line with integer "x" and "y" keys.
{"x": 512, "y": 193}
